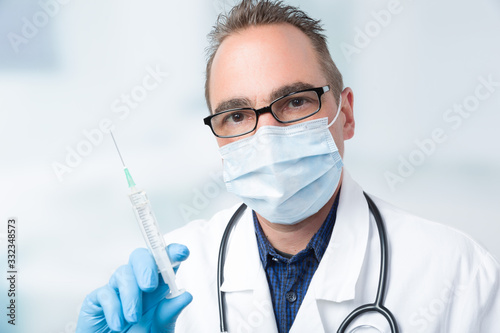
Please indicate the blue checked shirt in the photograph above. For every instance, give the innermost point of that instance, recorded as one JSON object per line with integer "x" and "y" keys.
{"x": 289, "y": 277}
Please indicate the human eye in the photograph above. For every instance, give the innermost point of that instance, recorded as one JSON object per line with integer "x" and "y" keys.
{"x": 230, "y": 123}
{"x": 297, "y": 103}
{"x": 234, "y": 118}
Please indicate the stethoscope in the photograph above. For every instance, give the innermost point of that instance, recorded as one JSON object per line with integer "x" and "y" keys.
{"x": 377, "y": 306}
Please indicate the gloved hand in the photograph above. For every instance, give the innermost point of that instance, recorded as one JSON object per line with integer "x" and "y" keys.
{"x": 134, "y": 299}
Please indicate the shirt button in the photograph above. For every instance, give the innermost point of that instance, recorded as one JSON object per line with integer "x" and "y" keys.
{"x": 291, "y": 296}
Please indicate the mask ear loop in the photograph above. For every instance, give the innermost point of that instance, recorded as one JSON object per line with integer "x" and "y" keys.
{"x": 338, "y": 112}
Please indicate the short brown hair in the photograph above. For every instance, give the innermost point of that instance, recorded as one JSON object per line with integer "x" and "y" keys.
{"x": 263, "y": 12}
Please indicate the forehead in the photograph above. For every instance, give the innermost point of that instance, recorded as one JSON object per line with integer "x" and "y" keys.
{"x": 254, "y": 62}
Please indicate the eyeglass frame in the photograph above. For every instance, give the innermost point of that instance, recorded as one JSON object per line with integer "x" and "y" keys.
{"x": 320, "y": 91}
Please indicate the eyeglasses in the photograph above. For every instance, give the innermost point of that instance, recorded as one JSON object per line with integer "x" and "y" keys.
{"x": 286, "y": 109}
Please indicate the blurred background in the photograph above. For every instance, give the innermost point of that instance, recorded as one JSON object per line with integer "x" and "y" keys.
{"x": 426, "y": 81}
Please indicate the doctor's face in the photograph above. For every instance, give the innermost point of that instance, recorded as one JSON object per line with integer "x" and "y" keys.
{"x": 259, "y": 64}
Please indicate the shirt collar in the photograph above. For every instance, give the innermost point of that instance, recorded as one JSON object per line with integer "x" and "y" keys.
{"x": 317, "y": 244}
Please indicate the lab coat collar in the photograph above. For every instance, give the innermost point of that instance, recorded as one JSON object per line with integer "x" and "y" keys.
{"x": 347, "y": 248}
{"x": 345, "y": 252}
{"x": 339, "y": 270}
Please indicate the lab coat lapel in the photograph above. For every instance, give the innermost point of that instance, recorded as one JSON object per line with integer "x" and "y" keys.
{"x": 249, "y": 305}
{"x": 308, "y": 318}
{"x": 339, "y": 270}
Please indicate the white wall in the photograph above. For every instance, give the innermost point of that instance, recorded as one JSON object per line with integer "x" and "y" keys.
{"x": 69, "y": 76}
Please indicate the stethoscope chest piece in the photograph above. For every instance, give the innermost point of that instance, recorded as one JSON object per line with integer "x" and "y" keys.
{"x": 365, "y": 329}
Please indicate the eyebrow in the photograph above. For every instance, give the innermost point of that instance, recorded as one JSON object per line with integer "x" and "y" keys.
{"x": 234, "y": 103}
{"x": 242, "y": 102}
{"x": 288, "y": 89}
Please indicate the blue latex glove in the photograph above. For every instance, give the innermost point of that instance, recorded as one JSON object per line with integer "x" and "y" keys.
{"x": 134, "y": 299}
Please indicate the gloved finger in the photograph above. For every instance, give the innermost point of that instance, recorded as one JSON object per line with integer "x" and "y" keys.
{"x": 167, "y": 312}
{"x": 91, "y": 316}
{"x": 104, "y": 300}
{"x": 145, "y": 269}
{"x": 177, "y": 253}
{"x": 123, "y": 281}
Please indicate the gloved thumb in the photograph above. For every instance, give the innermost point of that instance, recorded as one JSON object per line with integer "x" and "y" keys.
{"x": 167, "y": 312}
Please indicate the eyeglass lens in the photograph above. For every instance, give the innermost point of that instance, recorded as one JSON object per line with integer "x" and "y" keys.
{"x": 287, "y": 109}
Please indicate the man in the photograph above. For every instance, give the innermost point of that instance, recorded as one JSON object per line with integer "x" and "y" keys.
{"x": 307, "y": 251}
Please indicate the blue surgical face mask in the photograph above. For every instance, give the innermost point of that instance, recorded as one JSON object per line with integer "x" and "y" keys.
{"x": 284, "y": 173}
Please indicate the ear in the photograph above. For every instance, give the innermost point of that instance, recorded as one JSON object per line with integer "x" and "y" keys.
{"x": 347, "y": 109}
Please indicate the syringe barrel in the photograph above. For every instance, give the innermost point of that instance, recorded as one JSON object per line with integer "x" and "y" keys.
{"x": 151, "y": 233}
{"x": 147, "y": 220}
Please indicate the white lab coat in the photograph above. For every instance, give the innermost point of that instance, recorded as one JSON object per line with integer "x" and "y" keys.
{"x": 439, "y": 279}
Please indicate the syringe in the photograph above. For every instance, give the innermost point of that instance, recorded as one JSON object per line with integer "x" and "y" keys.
{"x": 151, "y": 231}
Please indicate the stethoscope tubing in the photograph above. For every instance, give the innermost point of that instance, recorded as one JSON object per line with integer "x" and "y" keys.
{"x": 220, "y": 264}
{"x": 378, "y": 305}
